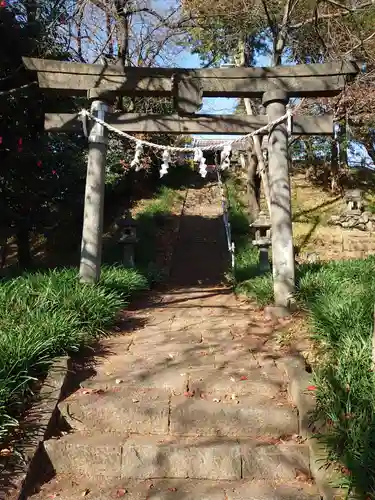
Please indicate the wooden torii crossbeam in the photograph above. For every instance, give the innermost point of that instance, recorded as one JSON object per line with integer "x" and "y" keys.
{"x": 187, "y": 87}
{"x": 312, "y": 80}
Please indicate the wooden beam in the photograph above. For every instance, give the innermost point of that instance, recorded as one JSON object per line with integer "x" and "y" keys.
{"x": 201, "y": 124}
{"x": 298, "y": 81}
{"x": 299, "y": 70}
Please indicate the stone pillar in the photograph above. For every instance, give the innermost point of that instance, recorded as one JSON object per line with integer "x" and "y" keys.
{"x": 92, "y": 232}
{"x": 283, "y": 265}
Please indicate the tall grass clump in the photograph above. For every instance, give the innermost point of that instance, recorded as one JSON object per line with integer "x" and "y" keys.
{"x": 339, "y": 297}
{"x": 45, "y": 315}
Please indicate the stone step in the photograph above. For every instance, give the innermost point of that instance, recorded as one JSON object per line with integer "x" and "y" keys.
{"x": 122, "y": 409}
{"x": 237, "y": 379}
{"x": 127, "y": 410}
{"x": 221, "y": 351}
{"x": 140, "y": 373}
{"x": 185, "y": 489}
{"x": 175, "y": 375}
{"x": 109, "y": 457}
{"x": 242, "y": 416}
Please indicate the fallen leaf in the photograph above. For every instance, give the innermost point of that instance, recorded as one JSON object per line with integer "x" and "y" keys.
{"x": 87, "y": 390}
{"x": 121, "y": 493}
{"x": 302, "y": 476}
{"x": 5, "y": 452}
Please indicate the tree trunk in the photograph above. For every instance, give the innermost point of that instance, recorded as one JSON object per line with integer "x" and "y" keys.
{"x": 23, "y": 246}
{"x": 257, "y": 146}
{"x": 253, "y": 185}
{"x": 369, "y": 145}
{"x": 335, "y": 178}
{"x": 336, "y": 185}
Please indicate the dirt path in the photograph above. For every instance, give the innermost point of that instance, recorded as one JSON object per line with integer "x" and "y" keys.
{"x": 192, "y": 404}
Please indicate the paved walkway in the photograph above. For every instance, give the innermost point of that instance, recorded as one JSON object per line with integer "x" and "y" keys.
{"x": 191, "y": 405}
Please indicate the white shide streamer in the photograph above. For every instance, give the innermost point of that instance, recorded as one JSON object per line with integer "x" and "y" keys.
{"x": 165, "y": 165}
{"x": 136, "y": 162}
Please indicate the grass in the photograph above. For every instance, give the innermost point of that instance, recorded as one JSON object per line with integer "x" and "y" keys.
{"x": 45, "y": 315}
{"x": 48, "y": 314}
{"x": 338, "y": 298}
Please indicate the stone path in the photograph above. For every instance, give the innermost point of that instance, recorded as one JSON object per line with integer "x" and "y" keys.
{"x": 192, "y": 405}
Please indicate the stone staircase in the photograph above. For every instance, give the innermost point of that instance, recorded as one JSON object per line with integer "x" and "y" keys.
{"x": 191, "y": 406}
{"x": 199, "y": 411}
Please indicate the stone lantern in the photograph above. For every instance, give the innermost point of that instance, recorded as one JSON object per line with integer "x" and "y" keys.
{"x": 128, "y": 238}
{"x": 354, "y": 201}
{"x": 262, "y": 239}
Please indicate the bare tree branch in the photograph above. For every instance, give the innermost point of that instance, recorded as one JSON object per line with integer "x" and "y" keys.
{"x": 337, "y": 4}
{"x": 279, "y": 43}
{"x": 360, "y": 43}
{"x": 271, "y": 22}
{"x": 333, "y": 15}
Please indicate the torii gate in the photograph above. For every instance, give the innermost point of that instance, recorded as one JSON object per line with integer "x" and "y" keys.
{"x": 102, "y": 84}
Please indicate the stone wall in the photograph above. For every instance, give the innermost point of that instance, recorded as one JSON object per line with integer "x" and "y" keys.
{"x": 364, "y": 221}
